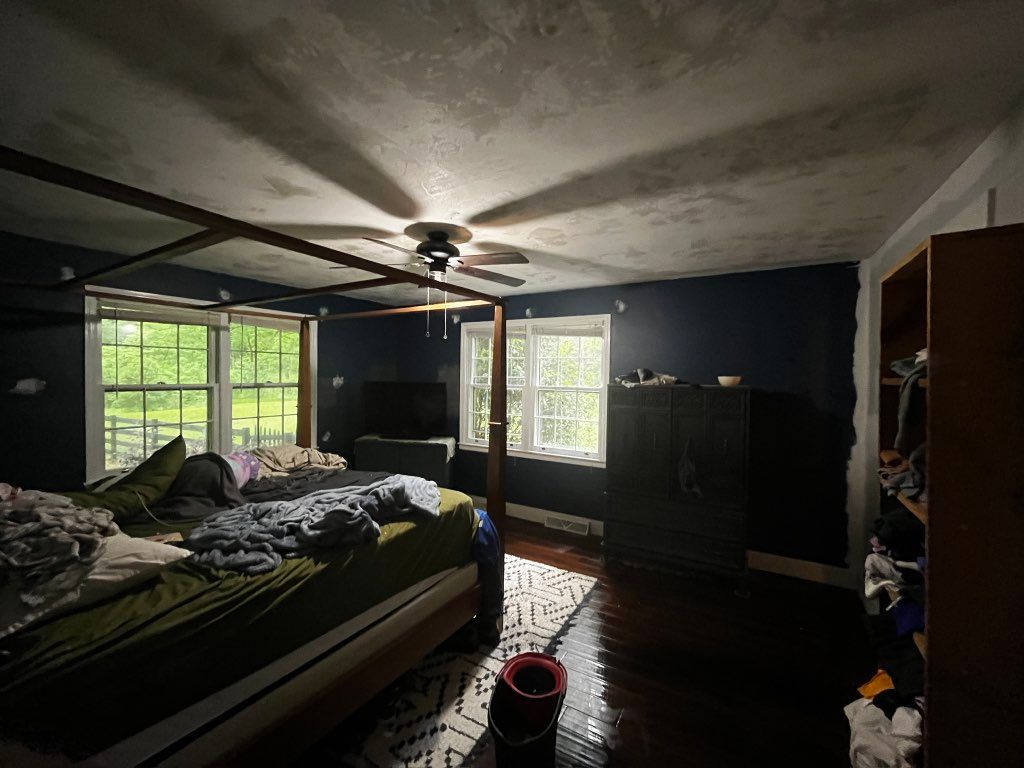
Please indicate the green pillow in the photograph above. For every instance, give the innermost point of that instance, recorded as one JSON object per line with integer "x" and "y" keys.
{"x": 144, "y": 485}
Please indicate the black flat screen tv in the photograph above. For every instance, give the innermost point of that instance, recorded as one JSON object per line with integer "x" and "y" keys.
{"x": 405, "y": 410}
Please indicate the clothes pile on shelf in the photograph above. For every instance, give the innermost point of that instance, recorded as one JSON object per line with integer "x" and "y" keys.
{"x": 905, "y": 475}
{"x": 886, "y": 722}
{"x": 911, "y": 369}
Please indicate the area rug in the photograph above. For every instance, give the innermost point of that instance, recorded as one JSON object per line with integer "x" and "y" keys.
{"x": 436, "y": 715}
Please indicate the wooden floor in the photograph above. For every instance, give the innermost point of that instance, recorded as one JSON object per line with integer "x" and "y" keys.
{"x": 670, "y": 670}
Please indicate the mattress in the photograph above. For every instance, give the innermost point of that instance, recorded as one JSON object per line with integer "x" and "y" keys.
{"x": 89, "y": 679}
{"x": 359, "y": 637}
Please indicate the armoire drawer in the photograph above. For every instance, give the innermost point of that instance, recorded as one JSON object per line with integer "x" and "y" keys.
{"x": 675, "y": 545}
{"x": 704, "y": 520}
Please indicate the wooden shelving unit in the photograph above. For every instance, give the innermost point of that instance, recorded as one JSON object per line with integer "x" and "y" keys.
{"x": 921, "y": 641}
{"x": 895, "y": 381}
{"x": 960, "y": 296}
{"x": 918, "y": 508}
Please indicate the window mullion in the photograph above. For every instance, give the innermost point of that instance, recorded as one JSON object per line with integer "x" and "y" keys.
{"x": 219, "y": 359}
{"x": 529, "y": 392}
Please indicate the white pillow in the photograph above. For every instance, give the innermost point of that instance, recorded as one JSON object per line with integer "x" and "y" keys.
{"x": 125, "y": 562}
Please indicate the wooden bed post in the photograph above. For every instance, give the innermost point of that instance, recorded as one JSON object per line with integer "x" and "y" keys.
{"x": 304, "y": 427}
{"x": 498, "y": 434}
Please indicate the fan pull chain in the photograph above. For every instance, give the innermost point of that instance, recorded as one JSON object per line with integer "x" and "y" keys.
{"x": 428, "y": 311}
{"x": 446, "y": 308}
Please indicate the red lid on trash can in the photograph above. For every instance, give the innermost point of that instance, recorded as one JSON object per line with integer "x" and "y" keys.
{"x": 538, "y": 682}
{"x": 534, "y": 675}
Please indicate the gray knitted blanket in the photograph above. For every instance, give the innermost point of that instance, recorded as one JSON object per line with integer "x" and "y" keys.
{"x": 254, "y": 538}
{"x": 48, "y": 545}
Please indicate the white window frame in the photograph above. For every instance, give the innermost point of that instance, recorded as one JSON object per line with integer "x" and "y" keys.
{"x": 219, "y": 351}
{"x": 530, "y": 328}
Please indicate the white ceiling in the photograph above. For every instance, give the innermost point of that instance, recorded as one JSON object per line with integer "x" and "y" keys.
{"x": 609, "y": 141}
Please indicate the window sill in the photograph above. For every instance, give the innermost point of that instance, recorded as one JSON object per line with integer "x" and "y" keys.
{"x": 539, "y": 456}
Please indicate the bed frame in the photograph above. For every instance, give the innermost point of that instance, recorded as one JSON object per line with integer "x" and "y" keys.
{"x": 297, "y": 705}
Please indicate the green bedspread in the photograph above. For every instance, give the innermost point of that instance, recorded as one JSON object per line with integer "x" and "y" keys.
{"x": 84, "y": 681}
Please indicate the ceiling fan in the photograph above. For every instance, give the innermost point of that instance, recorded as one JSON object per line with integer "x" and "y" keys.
{"x": 438, "y": 253}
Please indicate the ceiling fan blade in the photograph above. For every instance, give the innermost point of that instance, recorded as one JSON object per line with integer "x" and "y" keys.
{"x": 506, "y": 257}
{"x": 329, "y": 231}
{"x": 486, "y": 274}
{"x": 392, "y": 245}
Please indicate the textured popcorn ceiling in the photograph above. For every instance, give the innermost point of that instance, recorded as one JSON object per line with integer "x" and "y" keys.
{"x": 611, "y": 142}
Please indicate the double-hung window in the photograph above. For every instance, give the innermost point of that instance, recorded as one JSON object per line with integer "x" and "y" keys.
{"x": 155, "y": 372}
{"x": 557, "y": 369}
{"x": 158, "y": 377}
{"x": 264, "y": 383}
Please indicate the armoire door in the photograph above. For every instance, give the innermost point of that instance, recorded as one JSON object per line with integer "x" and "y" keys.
{"x": 639, "y": 441}
{"x": 726, "y": 448}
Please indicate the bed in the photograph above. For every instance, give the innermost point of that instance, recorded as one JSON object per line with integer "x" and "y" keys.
{"x": 205, "y": 666}
{"x": 332, "y": 681}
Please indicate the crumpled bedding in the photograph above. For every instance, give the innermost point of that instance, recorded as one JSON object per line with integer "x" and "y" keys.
{"x": 205, "y": 484}
{"x": 256, "y": 537}
{"x": 48, "y": 544}
{"x": 285, "y": 487}
{"x": 289, "y": 457}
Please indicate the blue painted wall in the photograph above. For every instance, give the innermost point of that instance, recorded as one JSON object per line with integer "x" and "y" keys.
{"x": 42, "y": 336}
{"x": 789, "y": 333}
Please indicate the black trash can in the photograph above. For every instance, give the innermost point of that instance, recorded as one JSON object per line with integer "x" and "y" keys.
{"x": 524, "y": 709}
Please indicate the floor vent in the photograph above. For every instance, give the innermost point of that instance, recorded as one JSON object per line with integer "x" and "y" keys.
{"x": 569, "y": 524}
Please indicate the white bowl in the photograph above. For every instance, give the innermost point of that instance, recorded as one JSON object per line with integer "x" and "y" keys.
{"x": 729, "y": 381}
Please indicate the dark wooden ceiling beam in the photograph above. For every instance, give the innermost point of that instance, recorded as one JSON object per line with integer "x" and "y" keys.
{"x": 357, "y": 285}
{"x": 160, "y": 301}
{"x": 404, "y": 310}
{"x": 194, "y": 242}
{"x": 53, "y": 173}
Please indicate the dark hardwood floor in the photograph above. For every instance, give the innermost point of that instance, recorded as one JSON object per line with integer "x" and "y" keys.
{"x": 677, "y": 671}
{"x": 674, "y": 670}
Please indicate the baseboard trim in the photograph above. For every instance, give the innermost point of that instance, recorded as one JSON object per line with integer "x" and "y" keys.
{"x": 535, "y": 515}
{"x": 800, "y": 569}
{"x": 757, "y": 561}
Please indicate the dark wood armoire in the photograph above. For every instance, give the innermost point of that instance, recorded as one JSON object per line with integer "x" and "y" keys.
{"x": 677, "y": 476}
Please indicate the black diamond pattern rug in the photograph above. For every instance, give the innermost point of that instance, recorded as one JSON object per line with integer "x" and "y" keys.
{"x": 436, "y": 715}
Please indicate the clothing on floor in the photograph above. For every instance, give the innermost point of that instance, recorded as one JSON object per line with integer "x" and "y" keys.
{"x": 901, "y": 659}
{"x": 875, "y": 740}
{"x": 876, "y": 685}
{"x": 889, "y": 701}
{"x": 254, "y": 538}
